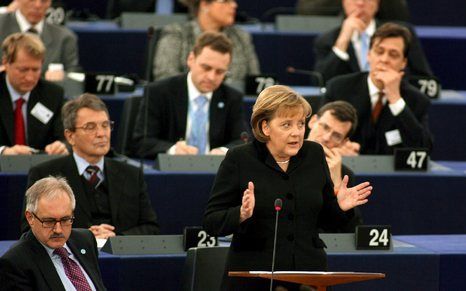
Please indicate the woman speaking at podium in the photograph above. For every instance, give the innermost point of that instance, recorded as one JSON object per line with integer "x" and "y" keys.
{"x": 278, "y": 164}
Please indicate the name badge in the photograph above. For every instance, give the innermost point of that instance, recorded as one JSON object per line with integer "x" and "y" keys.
{"x": 393, "y": 137}
{"x": 42, "y": 113}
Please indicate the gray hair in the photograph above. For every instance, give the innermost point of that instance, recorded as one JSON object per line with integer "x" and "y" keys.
{"x": 70, "y": 110}
{"x": 49, "y": 188}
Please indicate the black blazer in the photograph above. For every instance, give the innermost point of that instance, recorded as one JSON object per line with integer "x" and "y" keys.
{"x": 330, "y": 65}
{"x": 131, "y": 210}
{"x": 167, "y": 117}
{"x": 38, "y": 134}
{"x": 412, "y": 122}
{"x": 307, "y": 193}
{"x": 27, "y": 266}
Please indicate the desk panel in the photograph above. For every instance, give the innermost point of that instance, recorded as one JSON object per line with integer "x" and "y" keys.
{"x": 444, "y": 116}
{"x": 123, "y": 51}
{"x": 417, "y": 203}
{"x": 410, "y": 266}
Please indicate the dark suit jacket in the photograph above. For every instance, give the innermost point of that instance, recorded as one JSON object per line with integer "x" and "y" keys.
{"x": 412, "y": 122}
{"x": 307, "y": 193}
{"x": 131, "y": 210}
{"x": 330, "y": 65}
{"x": 27, "y": 266}
{"x": 60, "y": 42}
{"x": 39, "y": 134}
{"x": 167, "y": 113}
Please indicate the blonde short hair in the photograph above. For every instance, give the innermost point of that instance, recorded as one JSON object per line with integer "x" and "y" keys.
{"x": 28, "y": 42}
{"x": 275, "y": 101}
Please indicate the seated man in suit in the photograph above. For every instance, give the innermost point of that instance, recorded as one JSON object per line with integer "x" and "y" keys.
{"x": 391, "y": 112}
{"x": 29, "y": 107}
{"x": 332, "y": 126}
{"x": 61, "y": 43}
{"x": 111, "y": 196}
{"x": 193, "y": 113}
{"x": 51, "y": 256}
{"x": 343, "y": 50}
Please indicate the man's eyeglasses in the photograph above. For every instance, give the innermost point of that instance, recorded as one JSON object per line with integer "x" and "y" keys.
{"x": 91, "y": 127}
{"x": 50, "y": 222}
{"x": 336, "y": 137}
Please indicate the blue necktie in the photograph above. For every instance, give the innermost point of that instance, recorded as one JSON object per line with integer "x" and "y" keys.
{"x": 198, "y": 136}
{"x": 364, "y": 50}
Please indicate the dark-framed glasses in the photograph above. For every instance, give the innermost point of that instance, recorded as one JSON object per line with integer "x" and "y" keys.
{"x": 50, "y": 222}
{"x": 91, "y": 127}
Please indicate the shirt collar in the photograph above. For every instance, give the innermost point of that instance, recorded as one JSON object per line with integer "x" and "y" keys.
{"x": 193, "y": 93}
{"x": 14, "y": 95}
{"x": 50, "y": 250}
{"x": 373, "y": 90}
{"x": 370, "y": 30}
{"x": 82, "y": 164}
{"x": 24, "y": 25}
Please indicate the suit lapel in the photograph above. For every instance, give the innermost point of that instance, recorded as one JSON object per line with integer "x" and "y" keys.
{"x": 180, "y": 104}
{"x": 80, "y": 255}
{"x": 115, "y": 183}
{"x": 70, "y": 171}
{"x": 6, "y": 109}
{"x": 216, "y": 115}
{"x": 44, "y": 263}
{"x": 35, "y": 126}
{"x": 46, "y": 36}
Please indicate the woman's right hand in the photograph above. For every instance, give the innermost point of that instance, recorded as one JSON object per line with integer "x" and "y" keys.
{"x": 248, "y": 203}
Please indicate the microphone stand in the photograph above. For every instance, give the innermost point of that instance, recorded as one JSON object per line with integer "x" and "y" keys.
{"x": 278, "y": 207}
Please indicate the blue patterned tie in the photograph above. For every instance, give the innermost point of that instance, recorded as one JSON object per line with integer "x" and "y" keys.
{"x": 364, "y": 50}
{"x": 198, "y": 136}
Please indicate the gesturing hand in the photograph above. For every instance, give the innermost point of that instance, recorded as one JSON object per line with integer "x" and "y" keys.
{"x": 351, "y": 197}
{"x": 248, "y": 203}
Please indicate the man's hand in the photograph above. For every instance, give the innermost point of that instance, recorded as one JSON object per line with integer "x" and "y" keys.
{"x": 217, "y": 152}
{"x": 17, "y": 150}
{"x": 350, "y": 148}
{"x": 103, "y": 230}
{"x": 351, "y": 197}
{"x": 56, "y": 148}
{"x": 181, "y": 148}
{"x": 55, "y": 75}
{"x": 351, "y": 24}
{"x": 13, "y": 6}
{"x": 248, "y": 203}
{"x": 333, "y": 158}
{"x": 390, "y": 80}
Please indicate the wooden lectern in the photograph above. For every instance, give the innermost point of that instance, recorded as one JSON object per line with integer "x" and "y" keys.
{"x": 319, "y": 280}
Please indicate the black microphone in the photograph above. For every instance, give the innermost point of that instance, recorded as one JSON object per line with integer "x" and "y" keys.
{"x": 313, "y": 74}
{"x": 278, "y": 206}
{"x": 244, "y": 136}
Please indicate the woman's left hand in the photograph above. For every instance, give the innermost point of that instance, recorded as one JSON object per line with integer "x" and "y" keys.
{"x": 354, "y": 196}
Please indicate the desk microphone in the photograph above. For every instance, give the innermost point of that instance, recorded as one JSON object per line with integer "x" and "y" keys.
{"x": 313, "y": 74}
{"x": 278, "y": 206}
